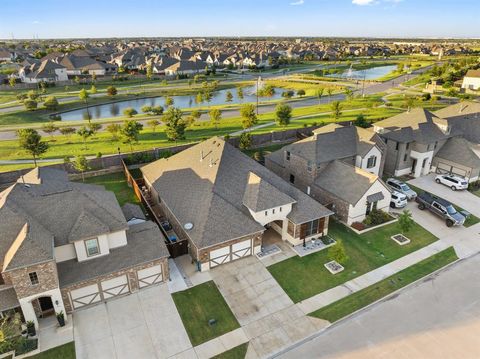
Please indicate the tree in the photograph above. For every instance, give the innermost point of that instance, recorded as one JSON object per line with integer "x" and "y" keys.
{"x": 199, "y": 98}
{"x": 215, "y": 116}
{"x": 319, "y": 93}
{"x": 67, "y": 131}
{"x": 301, "y": 92}
{"x": 336, "y": 107}
{"x": 329, "y": 91}
{"x": 80, "y": 163}
{"x": 196, "y": 114}
{"x": 114, "y": 129}
{"x": 146, "y": 109}
{"x": 130, "y": 131}
{"x": 361, "y": 121}
{"x": 410, "y": 103}
{"x": 93, "y": 89}
{"x": 283, "y": 114}
{"x": 240, "y": 93}
{"x": 83, "y": 95}
{"x": 31, "y": 141}
{"x": 337, "y": 252}
{"x": 50, "y": 128}
{"x": 249, "y": 116}
{"x": 157, "y": 110}
{"x": 174, "y": 125}
{"x": 30, "y": 104}
{"x": 169, "y": 101}
{"x": 94, "y": 127}
{"x": 111, "y": 90}
{"x": 245, "y": 141}
{"x": 349, "y": 93}
{"x": 77, "y": 80}
{"x": 12, "y": 81}
{"x": 229, "y": 97}
{"x": 10, "y": 327}
{"x": 84, "y": 133}
{"x": 51, "y": 103}
{"x": 130, "y": 112}
{"x": 149, "y": 72}
{"x": 153, "y": 124}
{"x": 94, "y": 77}
{"x": 405, "y": 221}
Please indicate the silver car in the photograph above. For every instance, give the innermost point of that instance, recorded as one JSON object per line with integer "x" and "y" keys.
{"x": 401, "y": 187}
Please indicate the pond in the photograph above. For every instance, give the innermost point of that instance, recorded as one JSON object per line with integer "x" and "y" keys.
{"x": 182, "y": 101}
{"x": 369, "y": 74}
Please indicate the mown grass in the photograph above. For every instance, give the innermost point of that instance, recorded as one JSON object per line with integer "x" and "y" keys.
{"x": 371, "y": 294}
{"x": 66, "y": 351}
{"x": 238, "y": 352}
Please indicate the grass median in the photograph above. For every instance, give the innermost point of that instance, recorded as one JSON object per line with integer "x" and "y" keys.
{"x": 371, "y": 294}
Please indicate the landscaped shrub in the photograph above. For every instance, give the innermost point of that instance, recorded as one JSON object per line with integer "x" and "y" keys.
{"x": 376, "y": 217}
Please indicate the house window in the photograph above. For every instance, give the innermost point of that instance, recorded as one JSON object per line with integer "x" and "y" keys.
{"x": 92, "y": 247}
{"x": 424, "y": 162}
{"x": 435, "y": 145}
{"x": 287, "y": 155}
{"x": 372, "y": 161}
{"x": 396, "y": 146}
{"x": 273, "y": 211}
{"x": 309, "y": 228}
{"x": 266, "y": 213}
{"x": 292, "y": 178}
{"x": 408, "y": 145}
{"x": 280, "y": 209}
{"x": 33, "y": 278}
{"x": 405, "y": 157}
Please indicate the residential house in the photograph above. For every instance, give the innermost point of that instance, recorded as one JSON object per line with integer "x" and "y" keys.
{"x": 471, "y": 80}
{"x": 66, "y": 245}
{"x": 338, "y": 166}
{"x": 221, "y": 201}
{"x": 185, "y": 67}
{"x": 46, "y": 71}
{"x": 78, "y": 65}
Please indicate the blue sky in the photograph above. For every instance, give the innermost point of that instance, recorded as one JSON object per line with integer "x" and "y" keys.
{"x": 121, "y": 18}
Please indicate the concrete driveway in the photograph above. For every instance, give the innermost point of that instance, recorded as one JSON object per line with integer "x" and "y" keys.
{"x": 437, "y": 318}
{"x": 145, "y": 324}
{"x": 464, "y": 199}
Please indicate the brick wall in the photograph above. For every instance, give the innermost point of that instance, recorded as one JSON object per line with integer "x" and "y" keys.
{"x": 47, "y": 279}
{"x": 327, "y": 199}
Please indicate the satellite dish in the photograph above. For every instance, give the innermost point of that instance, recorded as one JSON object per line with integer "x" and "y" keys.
{"x": 188, "y": 226}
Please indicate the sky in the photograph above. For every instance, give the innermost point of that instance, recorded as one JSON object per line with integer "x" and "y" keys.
{"x": 175, "y": 18}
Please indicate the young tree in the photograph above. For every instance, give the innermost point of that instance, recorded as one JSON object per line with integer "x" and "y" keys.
{"x": 94, "y": 127}
{"x": 94, "y": 77}
{"x": 12, "y": 81}
{"x": 77, "y": 80}
{"x": 229, "y": 97}
{"x": 410, "y": 103}
{"x": 199, "y": 98}
{"x": 93, "y": 89}
{"x": 337, "y": 252}
{"x": 301, "y": 93}
{"x": 175, "y": 126}
{"x": 240, "y": 93}
{"x": 169, "y": 101}
{"x": 245, "y": 141}
{"x": 319, "y": 93}
{"x": 361, "y": 121}
{"x": 31, "y": 141}
{"x": 215, "y": 116}
{"x": 67, "y": 131}
{"x": 50, "y": 128}
{"x": 84, "y": 133}
{"x": 130, "y": 131}
{"x": 249, "y": 116}
{"x": 114, "y": 129}
{"x": 153, "y": 124}
{"x": 80, "y": 163}
{"x": 283, "y": 114}
{"x": 30, "y": 104}
{"x": 83, "y": 95}
{"x": 196, "y": 114}
{"x": 129, "y": 112}
{"x": 329, "y": 91}
{"x": 405, "y": 221}
{"x": 146, "y": 109}
{"x": 51, "y": 103}
{"x": 149, "y": 72}
{"x": 336, "y": 107}
{"x": 111, "y": 90}
{"x": 349, "y": 93}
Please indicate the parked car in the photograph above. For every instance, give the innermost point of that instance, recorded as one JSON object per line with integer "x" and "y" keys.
{"x": 399, "y": 200}
{"x": 452, "y": 181}
{"x": 441, "y": 208}
{"x": 401, "y": 187}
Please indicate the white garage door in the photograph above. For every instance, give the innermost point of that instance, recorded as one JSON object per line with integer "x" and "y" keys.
{"x": 242, "y": 249}
{"x": 149, "y": 276}
{"x": 85, "y": 296}
{"x": 219, "y": 256}
{"x": 446, "y": 168}
{"x": 115, "y": 286}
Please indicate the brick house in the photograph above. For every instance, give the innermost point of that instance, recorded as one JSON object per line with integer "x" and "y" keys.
{"x": 66, "y": 245}
{"x": 340, "y": 166}
{"x": 221, "y": 201}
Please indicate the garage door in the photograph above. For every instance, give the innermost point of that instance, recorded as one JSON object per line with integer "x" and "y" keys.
{"x": 219, "y": 256}
{"x": 114, "y": 287}
{"x": 241, "y": 249}
{"x": 149, "y": 276}
{"x": 446, "y": 168}
{"x": 85, "y": 296}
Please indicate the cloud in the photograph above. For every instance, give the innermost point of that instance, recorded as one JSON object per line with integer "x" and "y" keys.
{"x": 296, "y": 3}
{"x": 36, "y": 22}
{"x": 373, "y": 2}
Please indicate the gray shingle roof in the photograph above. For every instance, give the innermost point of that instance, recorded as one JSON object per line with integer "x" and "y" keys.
{"x": 459, "y": 150}
{"x": 260, "y": 195}
{"x": 51, "y": 213}
{"x": 346, "y": 182}
{"x": 205, "y": 185}
{"x": 145, "y": 243}
{"x": 131, "y": 211}
{"x": 8, "y": 298}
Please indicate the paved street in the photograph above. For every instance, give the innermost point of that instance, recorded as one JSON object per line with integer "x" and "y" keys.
{"x": 438, "y": 318}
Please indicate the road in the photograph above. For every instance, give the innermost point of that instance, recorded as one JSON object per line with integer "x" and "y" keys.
{"x": 437, "y": 318}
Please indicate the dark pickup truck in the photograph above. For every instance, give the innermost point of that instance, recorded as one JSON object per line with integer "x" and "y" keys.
{"x": 441, "y": 208}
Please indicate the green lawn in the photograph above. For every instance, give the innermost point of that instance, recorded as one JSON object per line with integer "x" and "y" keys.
{"x": 303, "y": 277}
{"x": 364, "y": 297}
{"x": 66, "y": 351}
{"x": 234, "y": 353}
{"x": 197, "y": 306}
{"x": 117, "y": 183}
